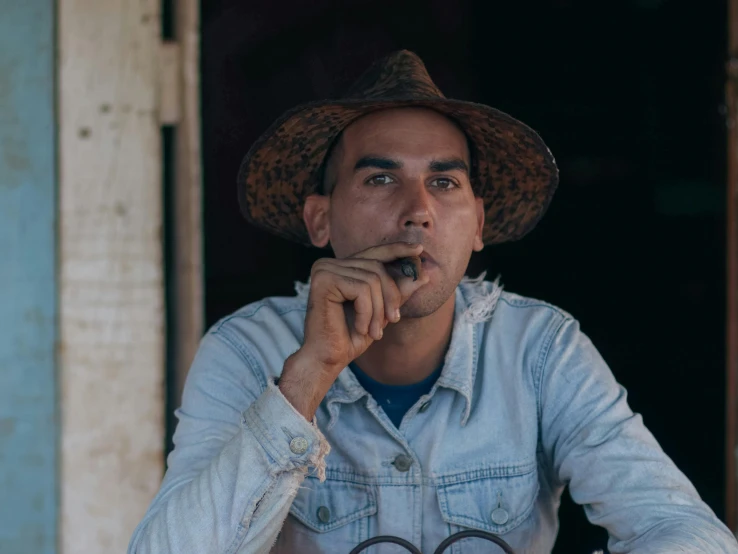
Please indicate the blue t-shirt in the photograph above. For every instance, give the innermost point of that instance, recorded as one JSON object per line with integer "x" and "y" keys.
{"x": 395, "y": 400}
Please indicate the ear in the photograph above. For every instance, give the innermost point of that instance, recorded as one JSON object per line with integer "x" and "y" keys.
{"x": 478, "y": 242}
{"x": 316, "y": 214}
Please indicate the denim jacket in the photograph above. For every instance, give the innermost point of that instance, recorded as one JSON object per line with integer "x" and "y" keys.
{"x": 524, "y": 406}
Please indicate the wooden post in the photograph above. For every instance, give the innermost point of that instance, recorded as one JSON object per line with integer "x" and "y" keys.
{"x": 731, "y": 91}
{"x": 181, "y": 110}
{"x": 189, "y": 310}
{"x": 110, "y": 270}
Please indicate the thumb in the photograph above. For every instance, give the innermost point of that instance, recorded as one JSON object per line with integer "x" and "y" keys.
{"x": 410, "y": 281}
{"x": 408, "y": 287}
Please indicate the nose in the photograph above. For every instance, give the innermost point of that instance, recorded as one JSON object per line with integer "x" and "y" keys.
{"x": 417, "y": 207}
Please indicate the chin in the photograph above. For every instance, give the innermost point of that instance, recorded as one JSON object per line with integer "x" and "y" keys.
{"x": 424, "y": 303}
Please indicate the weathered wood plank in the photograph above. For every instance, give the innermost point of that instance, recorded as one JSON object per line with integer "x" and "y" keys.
{"x": 170, "y": 106}
{"x": 111, "y": 285}
{"x": 189, "y": 313}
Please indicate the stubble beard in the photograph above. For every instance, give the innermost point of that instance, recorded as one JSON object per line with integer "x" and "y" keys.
{"x": 424, "y": 303}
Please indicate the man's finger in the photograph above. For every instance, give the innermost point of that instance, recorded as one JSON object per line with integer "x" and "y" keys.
{"x": 408, "y": 287}
{"x": 390, "y": 292}
{"x": 374, "y": 281}
{"x": 358, "y": 292}
{"x": 390, "y": 252}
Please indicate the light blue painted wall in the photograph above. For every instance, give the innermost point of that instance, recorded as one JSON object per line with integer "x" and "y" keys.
{"x": 28, "y": 422}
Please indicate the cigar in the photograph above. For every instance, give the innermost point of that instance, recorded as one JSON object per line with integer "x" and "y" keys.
{"x": 409, "y": 267}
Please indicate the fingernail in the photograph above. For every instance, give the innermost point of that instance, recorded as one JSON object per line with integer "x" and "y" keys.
{"x": 381, "y": 333}
{"x": 397, "y": 314}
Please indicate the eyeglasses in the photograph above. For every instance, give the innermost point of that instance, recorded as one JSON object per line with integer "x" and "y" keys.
{"x": 441, "y": 547}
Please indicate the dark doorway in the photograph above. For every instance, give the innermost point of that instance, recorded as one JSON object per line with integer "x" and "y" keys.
{"x": 629, "y": 100}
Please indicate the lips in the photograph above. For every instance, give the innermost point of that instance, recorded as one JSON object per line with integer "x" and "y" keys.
{"x": 427, "y": 260}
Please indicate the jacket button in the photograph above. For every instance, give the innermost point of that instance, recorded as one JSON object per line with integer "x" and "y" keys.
{"x": 402, "y": 462}
{"x": 424, "y": 406}
{"x": 500, "y": 516}
{"x": 299, "y": 445}
{"x": 324, "y": 514}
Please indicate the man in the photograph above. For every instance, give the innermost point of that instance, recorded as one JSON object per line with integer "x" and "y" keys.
{"x": 393, "y": 396}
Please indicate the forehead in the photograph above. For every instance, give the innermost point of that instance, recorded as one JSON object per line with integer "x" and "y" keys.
{"x": 397, "y": 132}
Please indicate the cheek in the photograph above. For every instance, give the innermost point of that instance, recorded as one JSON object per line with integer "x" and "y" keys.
{"x": 459, "y": 226}
{"x": 457, "y": 240}
{"x": 355, "y": 229}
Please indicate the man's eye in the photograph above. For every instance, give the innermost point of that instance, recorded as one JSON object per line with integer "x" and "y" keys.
{"x": 443, "y": 183}
{"x": 380, "y": 180}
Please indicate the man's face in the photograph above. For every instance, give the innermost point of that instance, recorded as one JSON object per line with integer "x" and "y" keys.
{"x": 403, "y": 175}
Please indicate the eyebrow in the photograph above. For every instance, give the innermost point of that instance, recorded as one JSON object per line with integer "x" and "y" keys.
{"x": 441, "y": 166}
{"x": 377, "y": 162}
{"x": 436, "y": 166}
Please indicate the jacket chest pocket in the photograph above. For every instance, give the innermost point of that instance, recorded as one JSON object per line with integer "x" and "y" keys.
{"x": 333, "y": 516}
{"x": 496, "y": 504}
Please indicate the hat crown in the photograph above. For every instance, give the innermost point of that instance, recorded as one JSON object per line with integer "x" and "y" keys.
{"x": 402, "y": 74}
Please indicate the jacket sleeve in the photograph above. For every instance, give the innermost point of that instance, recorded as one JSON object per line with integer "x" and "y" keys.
{"x": 240, "y": 454}
{"x": 613, "y": 465}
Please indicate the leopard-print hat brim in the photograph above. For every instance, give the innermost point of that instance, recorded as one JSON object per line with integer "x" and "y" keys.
{"x": 515, "y": 175}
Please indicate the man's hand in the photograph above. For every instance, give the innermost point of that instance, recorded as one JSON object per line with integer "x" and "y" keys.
{"x": 351, "y": 301}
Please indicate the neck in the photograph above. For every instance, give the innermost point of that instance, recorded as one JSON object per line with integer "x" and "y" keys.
{"x": 411, "y": 349}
